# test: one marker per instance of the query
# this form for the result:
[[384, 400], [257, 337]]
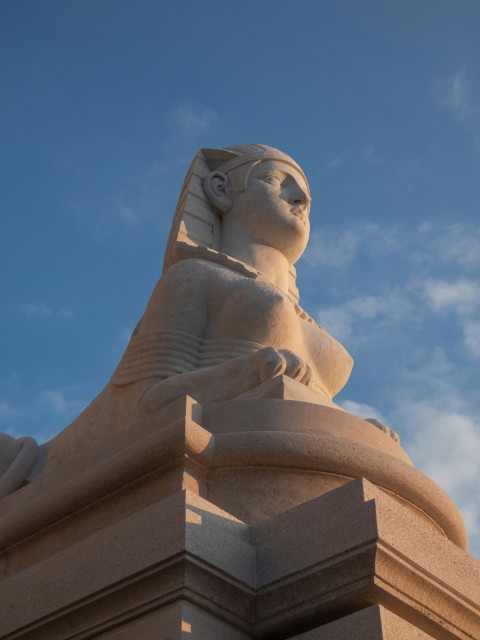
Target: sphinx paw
[[263, 365], [383, 427], [296, 368]]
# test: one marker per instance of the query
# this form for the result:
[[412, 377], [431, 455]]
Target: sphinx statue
[[224, 316], [224, 330], [214, 483]]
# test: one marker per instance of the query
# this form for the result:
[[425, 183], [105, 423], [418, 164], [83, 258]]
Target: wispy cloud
[[462, 295], [439, 422], [42, 310], [24, 410], [460, 244], [415, 337], [188, 124], [39, 309], [136, 201], [471, 337], [337, 251], [338, 248], [455, 93], [367, 154], [56, 401], [127, 215], [192, 121], [440, 430], [446, 447], [362, 410], [459, 94], [335, 161], [354, 317], [461, 298], [429, 244]]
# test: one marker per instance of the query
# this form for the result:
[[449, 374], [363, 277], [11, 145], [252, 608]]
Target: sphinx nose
[[299, 196]]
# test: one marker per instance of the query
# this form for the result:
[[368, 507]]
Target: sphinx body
[[227, 319], [224, 317], [224, 327], [253, 508]]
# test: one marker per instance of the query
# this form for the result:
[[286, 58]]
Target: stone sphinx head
[[253, 191]]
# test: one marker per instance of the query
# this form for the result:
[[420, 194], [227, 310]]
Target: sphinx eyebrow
[[277, 173]]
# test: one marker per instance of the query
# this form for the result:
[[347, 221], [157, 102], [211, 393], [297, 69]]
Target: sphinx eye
[[274, 180]]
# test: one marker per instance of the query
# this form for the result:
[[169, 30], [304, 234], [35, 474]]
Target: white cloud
[[363, 155], [418, 361], [135, 201], [445, 445], [439, 421], [455, 93], [331, 247], [345, 320], [424, 227], [461, 244], [127, 215], [447, 448], [40, 310], [339, 251], [39, 415], [471, 335], [460, 295], [335, 161], [56, 401], [463, 298], [456, 245], [362, 410], [337, 320], [459, 95], [192, 121]]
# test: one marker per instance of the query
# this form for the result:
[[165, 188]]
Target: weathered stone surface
[[372, 623], [214, 489], [305, 568], [177, 621], [251, 474]]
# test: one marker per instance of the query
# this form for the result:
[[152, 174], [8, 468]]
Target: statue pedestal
[[257, 518]]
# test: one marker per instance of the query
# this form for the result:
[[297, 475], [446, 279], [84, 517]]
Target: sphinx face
[[274, 208]]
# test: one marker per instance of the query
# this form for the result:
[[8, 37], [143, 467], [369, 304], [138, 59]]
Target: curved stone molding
[[251, 474], [316, 464], [297, 416]]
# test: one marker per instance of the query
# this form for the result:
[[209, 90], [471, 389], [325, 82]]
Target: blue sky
[[102, 106]]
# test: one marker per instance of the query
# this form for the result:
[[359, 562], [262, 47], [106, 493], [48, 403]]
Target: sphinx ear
[[216, 186]]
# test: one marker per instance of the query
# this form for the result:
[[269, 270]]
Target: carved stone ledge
[[308, 568], [372, 623], [264, 531]]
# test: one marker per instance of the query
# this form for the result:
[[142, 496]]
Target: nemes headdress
[[196, 227]]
